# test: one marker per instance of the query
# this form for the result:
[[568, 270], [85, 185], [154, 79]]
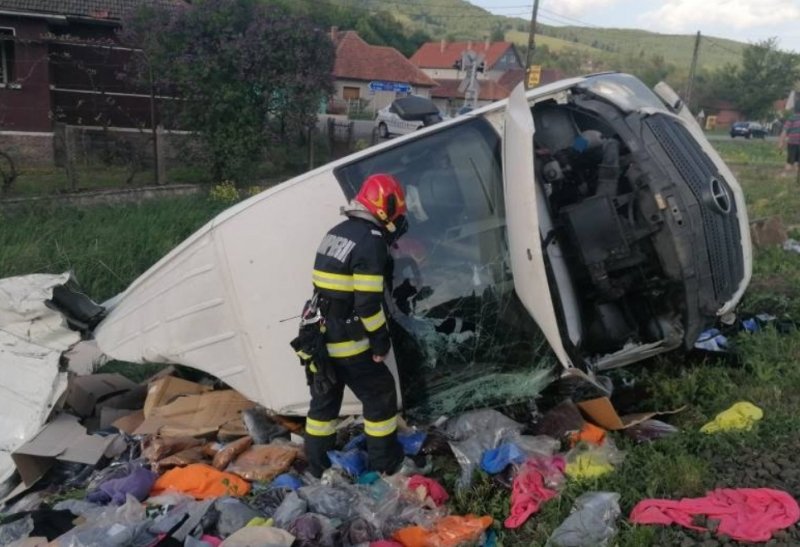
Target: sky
[[743, 20]]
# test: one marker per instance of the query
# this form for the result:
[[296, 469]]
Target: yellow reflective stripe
[[318, 428], [368, 283], [332, 281], [380, 429], [347, 349], [303, 355], [374, 322]]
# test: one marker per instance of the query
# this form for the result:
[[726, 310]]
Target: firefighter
[[348, 278]]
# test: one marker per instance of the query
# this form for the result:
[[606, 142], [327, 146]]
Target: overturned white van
[[591, 216]]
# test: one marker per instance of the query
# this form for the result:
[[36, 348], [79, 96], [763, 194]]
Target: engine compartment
[[607, 226]]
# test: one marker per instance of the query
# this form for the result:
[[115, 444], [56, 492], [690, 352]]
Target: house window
[[6, 56], [351, 93]]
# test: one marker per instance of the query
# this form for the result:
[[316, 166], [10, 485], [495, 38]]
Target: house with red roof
[[370, 77], [503, 70], [437, 59]]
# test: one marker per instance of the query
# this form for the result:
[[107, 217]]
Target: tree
[[246, 75], [498, 34], [766, 75]]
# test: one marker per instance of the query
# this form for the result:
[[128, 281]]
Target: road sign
[[534, 75], [397, 87]]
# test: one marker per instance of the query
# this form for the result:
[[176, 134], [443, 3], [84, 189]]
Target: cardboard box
[[195, 415], [165, 390], [129, 423], [602, 413], [85, 392], [62, 439]]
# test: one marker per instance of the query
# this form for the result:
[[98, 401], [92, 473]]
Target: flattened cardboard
[[165, 390], [195, 415], [602, 412], [128, 424], [62, 439], [84, 392]]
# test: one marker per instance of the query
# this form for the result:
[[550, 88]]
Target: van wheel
[[383, 131]]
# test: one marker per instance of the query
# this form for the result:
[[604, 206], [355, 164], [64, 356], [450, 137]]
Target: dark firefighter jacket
[[348, 273]]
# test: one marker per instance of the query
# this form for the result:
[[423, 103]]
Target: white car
[[406, 115], [590, 217]]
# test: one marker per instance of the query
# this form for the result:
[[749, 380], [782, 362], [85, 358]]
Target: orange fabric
[[201, 481], [447, 532], [589, 433]]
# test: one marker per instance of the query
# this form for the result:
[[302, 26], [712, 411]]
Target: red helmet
[[383, 197]]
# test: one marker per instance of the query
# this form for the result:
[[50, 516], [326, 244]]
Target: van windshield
[[461, 336]]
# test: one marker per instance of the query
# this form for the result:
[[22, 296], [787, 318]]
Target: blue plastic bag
[[357, 442], [712, 340], [495, 460], [352, 462], [412, 442], [290, 482]]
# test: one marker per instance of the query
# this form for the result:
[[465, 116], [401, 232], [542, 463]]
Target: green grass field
[[108, 247]]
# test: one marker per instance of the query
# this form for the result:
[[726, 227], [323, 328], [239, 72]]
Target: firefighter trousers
[[374, 386]]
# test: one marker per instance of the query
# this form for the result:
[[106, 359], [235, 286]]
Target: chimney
[[334, 32], [442, 45]]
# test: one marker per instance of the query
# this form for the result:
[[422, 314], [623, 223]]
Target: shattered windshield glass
[[461, 336]]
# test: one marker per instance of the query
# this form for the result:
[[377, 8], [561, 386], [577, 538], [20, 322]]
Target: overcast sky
[[744, 20]]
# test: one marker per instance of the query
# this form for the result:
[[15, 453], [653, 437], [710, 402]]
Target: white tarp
[[32, 339]]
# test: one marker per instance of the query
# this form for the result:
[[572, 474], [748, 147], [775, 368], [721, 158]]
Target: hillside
[[460, 20]]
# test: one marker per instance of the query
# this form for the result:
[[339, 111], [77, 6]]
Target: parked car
[[406, 115], [747, 130], [587, 221]]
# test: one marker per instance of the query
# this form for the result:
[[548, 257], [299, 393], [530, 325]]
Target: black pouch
[[354, 328], [309, 345]]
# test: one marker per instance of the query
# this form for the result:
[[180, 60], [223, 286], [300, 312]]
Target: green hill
[[460, 20]]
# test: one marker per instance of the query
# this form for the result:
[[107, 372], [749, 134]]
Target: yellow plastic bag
[[740, 416]]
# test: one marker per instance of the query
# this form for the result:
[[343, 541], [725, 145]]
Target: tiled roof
[[97, 9], [511, 78], [444, 54], [489, 90], [358, 60]]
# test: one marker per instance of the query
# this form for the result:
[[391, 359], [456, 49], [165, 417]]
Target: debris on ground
[[592, 522], [740, 416], [185, 460], [743, 514]]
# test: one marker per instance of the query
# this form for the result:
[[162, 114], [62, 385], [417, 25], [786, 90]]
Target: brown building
[[61, 62]]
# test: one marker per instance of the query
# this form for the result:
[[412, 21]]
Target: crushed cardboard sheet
[[165, 390], [63, 439], [602, 413], [195, 415], [85, 392]]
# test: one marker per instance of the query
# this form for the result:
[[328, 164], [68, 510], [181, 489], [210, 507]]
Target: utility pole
[[533, 76], [692, 72]]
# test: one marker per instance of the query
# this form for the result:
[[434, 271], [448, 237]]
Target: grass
[[109, 246]]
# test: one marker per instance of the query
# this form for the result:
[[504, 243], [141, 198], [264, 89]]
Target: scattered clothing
[[587, 466], [289, 482], [589, 433], [354, 462], [233, 515], [431, 489], [259, 535], [712, 340], [744, 514], [740, 416], [202, 482], [115, 491], [447, 532], [529, 492], [495, 460]]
